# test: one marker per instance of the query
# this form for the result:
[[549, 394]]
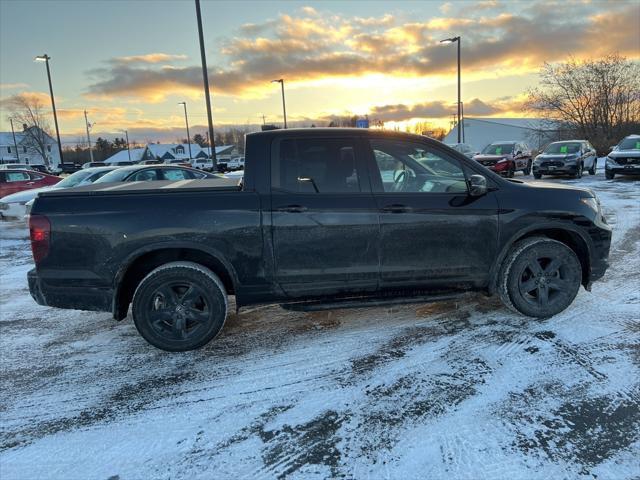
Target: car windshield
[[630, 143], [114, 176], [74, 179], [498, 148], [562, 148]]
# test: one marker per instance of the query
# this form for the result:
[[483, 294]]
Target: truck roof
[[335, 131]]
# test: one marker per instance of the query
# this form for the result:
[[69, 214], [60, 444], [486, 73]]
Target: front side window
[[143, 176], [321, 165], [411, 167]]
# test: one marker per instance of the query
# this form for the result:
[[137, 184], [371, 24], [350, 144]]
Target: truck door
[[324, 218], [432, 231]]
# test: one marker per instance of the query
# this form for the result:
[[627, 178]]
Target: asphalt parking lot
[[458, 389]]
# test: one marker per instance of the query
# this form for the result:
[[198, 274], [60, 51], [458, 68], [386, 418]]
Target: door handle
[[292, 209], [397, 208]]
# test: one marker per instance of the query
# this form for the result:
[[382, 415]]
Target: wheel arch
[[141, 263], [567, 234]]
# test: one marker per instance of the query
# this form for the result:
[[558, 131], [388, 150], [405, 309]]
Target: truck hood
[[624, 154], [584, 192], [161, 186], [556, 156], [483, 157]]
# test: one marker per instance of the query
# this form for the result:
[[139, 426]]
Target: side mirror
[[519, 152], [477, 185], [612, 147], [309, 180]]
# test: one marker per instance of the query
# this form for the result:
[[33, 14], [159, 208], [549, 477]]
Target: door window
[[36, 176], [17, 176], [412, 167], [176, 174], [319, 165], [143, 176]]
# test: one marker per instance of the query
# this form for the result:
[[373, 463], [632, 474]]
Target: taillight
[[40, 232]]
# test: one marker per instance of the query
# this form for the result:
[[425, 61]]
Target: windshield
[[631, 143], [498, 148], [114, 176], [563, 148], [74, 179]]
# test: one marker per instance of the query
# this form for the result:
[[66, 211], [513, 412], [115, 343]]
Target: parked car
[[145, 173], [464, 149], [569, 157], [12, 181], [93, 164], [67, 168], [152, 161], [236, 163], [205, 164], [16, 166], [178, 161], [506, 158], [624, 159], [122, 163], [16, 204], [41, 169], [325, 218]]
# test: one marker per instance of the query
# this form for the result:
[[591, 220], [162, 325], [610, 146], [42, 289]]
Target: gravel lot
[[461, 389]]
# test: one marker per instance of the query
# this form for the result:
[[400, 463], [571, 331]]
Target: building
[[27, 151], [171, 151], [480, 132]]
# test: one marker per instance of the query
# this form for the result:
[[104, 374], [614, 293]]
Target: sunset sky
[[128, 63]]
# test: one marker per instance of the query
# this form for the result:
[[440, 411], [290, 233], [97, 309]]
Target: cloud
[[315, 46], [149, 58], [13, 86]]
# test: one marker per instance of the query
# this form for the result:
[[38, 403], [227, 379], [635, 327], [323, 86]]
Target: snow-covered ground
[[460, 389]]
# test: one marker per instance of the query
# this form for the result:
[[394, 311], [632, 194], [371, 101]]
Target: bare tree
[[28, 111], [598, 100]]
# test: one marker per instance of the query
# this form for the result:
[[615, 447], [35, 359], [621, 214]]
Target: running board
[[365, 302]]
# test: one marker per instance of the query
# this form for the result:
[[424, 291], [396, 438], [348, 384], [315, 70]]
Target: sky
[[129, 63]]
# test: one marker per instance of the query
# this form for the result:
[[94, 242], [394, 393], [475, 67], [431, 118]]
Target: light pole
[[284, 108], [205, 77], [186, 121], [45, 58], [457, 40]]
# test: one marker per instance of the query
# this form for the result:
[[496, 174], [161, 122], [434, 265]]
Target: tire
[[578, 173], [180, 306], [609, 175], [592, 170], [537, 176], [540, 277], [511, 172], [527, 170]]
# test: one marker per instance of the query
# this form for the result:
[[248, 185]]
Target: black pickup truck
[[323, 218]]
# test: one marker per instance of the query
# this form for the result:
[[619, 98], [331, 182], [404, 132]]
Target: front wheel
[[609, 174], [537, 176], [179, 306], [578, 173], [527, 170], [592, 170], [540, 277]]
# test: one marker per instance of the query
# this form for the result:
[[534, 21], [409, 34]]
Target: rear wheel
[[592, 170], [179, 306], [540, 277]]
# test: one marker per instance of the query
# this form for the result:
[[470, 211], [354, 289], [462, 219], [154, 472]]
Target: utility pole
[[209, 144], [15, 144], [458, 41], [45, 58], [126, 133], [264, 119], [88, 125], [186, 121], [205, 78]]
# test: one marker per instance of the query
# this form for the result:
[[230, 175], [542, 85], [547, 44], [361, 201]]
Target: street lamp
[[457, 40], [186, 121], [284, 108], [45, 58]]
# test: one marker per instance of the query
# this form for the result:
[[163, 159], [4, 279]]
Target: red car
[[12, 181]]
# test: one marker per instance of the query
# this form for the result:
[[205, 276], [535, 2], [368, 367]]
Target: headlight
[[592, 202], [611, 162]]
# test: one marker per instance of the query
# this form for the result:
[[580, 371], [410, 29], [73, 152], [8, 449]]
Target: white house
[[480, 132], [26, 152]]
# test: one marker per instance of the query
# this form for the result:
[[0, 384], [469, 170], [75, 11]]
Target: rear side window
[[16, 176], [176, 174], [36, 176], [144, 176], [302, 165]]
